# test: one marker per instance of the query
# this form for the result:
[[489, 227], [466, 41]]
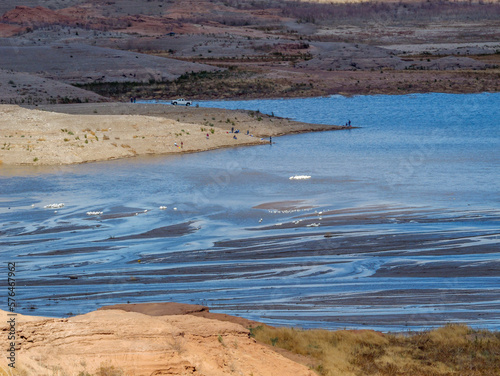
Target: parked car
[[181, 102]]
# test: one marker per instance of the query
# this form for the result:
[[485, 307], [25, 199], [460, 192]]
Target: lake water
[[397, 228]]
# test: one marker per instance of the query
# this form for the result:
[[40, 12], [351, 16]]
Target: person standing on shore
[[270, 140], [182, 145]]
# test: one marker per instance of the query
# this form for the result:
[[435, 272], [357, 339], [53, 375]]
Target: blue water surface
[[424, 148]]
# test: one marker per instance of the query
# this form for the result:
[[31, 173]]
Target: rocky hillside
[[276, 48], [116, 342]]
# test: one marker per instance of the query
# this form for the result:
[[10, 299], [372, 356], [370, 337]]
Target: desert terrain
[[83, 51], [68, 69]]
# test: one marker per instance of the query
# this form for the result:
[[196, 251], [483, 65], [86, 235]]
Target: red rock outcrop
[[37, 16]]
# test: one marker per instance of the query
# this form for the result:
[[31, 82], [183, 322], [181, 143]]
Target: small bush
[[221, 340], [109, 371]]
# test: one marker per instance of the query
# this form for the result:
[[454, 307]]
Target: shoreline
[[84, 133]]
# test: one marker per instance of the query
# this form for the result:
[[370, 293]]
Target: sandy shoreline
[[68, 134]]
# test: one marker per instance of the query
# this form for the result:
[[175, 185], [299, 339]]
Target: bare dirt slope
[[81, 63], [278, 48], [25, 88], [141, 345], [7, 5]]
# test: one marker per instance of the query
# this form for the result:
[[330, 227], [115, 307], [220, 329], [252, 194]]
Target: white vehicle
[[181, 102]]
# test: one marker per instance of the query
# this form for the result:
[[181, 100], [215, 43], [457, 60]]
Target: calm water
[[409, 203]]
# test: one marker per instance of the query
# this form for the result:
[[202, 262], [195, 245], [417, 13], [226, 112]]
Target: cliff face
[[133, 343]]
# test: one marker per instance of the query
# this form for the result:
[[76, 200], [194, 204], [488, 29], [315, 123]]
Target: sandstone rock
[[141, 345]]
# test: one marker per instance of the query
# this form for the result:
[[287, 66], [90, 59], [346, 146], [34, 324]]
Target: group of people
[[248, 134], [236, 131], [181, 146]]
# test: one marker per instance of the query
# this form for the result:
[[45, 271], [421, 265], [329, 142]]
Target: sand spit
[[140, 344], [99, 132]]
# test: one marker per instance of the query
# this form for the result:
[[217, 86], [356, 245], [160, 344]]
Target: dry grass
[[453, 350], [329, 12]]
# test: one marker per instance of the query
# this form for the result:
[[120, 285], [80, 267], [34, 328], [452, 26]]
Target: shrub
[[108, 370]]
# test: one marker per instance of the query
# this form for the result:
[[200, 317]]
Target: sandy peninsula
[[68, 134], [169, 340]]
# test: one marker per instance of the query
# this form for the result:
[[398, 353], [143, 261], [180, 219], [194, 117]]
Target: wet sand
[[179, 229], [429, 267]]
